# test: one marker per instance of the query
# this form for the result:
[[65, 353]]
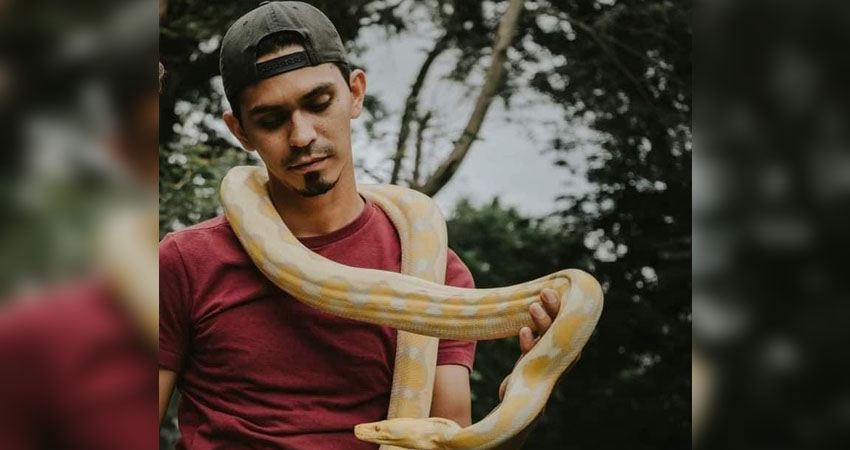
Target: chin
[[315, 183]]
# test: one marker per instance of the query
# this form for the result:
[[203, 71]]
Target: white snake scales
[[417, 302]]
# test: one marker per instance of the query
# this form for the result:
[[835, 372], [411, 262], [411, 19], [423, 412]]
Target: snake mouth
[[371, 432]]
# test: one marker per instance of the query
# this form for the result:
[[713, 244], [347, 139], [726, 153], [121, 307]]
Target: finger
[[551, 302], [540, 318], [526, 339]]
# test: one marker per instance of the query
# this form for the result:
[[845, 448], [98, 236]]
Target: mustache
[[312, 152]]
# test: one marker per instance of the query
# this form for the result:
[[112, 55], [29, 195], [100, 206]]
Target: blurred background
[[78, 224], [583, 159], [770, 208]]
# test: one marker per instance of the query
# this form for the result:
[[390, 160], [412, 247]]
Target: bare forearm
[[452, 397], [166, 386]]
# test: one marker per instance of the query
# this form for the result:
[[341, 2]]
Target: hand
[[542, 316]]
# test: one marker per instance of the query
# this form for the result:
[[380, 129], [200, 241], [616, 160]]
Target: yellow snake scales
[[419, 305]]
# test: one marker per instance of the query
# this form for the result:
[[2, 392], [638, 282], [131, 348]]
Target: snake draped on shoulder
[[422, 308]]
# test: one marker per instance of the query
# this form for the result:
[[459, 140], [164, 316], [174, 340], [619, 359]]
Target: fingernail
[[549, 296], [537, 310]]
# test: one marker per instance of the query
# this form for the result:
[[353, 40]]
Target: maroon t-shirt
[[259, 369], [75, 373]]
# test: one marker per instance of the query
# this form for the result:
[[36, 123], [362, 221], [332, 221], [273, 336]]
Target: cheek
[[269, 144], [336, 128]]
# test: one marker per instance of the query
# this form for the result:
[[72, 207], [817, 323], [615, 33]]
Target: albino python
[[418, 303]]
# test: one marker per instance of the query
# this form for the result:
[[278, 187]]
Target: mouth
[[308, 165]]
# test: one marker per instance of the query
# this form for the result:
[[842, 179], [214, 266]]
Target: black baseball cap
[[238, 65]]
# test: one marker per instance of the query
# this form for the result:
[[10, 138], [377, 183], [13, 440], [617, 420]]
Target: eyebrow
[[315, 92]]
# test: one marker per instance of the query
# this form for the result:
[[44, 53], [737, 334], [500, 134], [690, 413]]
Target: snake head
[[425, 434]]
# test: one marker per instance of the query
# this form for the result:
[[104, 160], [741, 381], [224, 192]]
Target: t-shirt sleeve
[[174, 306], [451, 351]]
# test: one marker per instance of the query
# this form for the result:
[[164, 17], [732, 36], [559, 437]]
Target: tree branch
[[411, 104], [377, 178], [507, 29], [420, 132], [591, 31], [599, 38]]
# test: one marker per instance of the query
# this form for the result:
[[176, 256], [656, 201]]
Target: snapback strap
[[282, 64]]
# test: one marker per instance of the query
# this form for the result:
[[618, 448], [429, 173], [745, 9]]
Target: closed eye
[[272, 121], [320, 104]]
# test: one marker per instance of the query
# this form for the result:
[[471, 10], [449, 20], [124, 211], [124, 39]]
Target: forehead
[[288, 87]]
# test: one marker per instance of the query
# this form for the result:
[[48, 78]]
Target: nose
[[302, 132]]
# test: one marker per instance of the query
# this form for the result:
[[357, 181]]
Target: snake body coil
[[419, 303]]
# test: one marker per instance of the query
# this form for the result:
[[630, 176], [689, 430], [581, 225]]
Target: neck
[[321, 214]]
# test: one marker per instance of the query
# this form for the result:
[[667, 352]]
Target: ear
[[237, 131], [357, 82]]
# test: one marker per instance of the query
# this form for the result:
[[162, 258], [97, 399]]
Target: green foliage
[[188, 183], [502, 248], [625, 69], [632, 376]]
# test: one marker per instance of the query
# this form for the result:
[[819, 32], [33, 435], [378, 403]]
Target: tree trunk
[[507, 29], [411, 104]]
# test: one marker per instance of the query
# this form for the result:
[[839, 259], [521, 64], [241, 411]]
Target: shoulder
[[195, 255], [209, 228], [457, 273], [208, 238]]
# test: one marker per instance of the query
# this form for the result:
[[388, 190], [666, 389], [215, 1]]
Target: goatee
[[314, 184]]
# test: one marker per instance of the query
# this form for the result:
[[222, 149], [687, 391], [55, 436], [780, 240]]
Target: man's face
[[300, 124]]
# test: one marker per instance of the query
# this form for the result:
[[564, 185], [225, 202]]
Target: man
[[256, 368]]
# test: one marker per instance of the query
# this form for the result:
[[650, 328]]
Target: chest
[[249, 330]]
